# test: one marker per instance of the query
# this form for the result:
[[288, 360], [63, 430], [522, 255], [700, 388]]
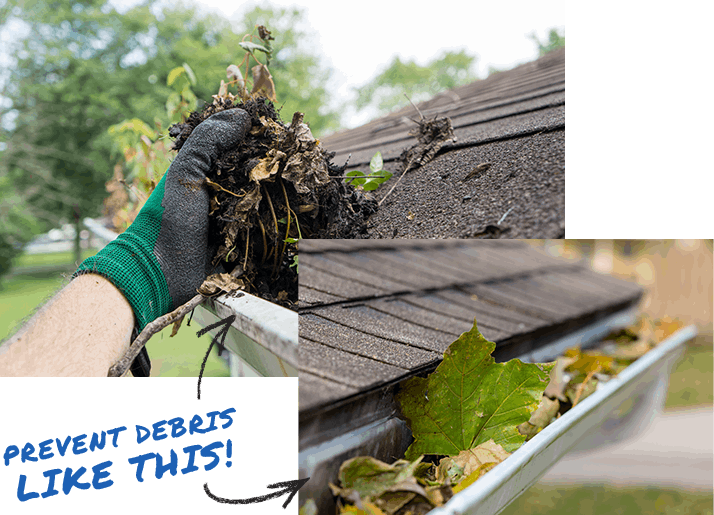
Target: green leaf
[[361, 178], [376, 164], [250, 47], [370, 477], [376, 179], [470, 399], [175, 74]]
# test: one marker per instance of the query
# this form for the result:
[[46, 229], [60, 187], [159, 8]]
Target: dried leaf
[[367, 509], [590, 361], [306, 168], [431, 136], [559, 379], [470, 399], [234, 75], [471, 478], [218, 283], [666, 326], [264, 33], [466, 462], [268, 166], [307, 171], [263, 82], [540, 418], [223, 89], [631, 351], [367, 480]]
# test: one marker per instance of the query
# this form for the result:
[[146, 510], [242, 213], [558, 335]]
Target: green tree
[[386, 91], [69, 81], [554, 41], [79, 67]]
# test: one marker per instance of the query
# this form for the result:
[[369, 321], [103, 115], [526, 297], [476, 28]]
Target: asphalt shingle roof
[[514, 120], [375, 312]]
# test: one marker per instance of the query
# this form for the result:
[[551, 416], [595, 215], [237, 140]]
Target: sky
[[359, 39]]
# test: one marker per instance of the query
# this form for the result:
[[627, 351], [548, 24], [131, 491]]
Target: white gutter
[[645, 381], [264, 336]]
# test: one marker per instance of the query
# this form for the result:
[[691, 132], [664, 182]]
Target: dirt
[[276, 186]]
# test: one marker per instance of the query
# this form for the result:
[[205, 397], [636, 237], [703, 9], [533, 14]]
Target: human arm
[[154, 266], [81, 331]]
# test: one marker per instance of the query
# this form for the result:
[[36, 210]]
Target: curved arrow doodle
[[289, 486], [226, 323]]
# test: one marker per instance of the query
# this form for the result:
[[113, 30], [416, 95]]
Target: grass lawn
[[36, 277], [608, 500], [690, 383]]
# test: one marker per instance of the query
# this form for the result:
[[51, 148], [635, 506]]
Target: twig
[[406, 169], [358, 176], [247, 239], [287, 204], [415, 107], [221, 188], [505, 215], [581, 386], [121, 367], [275, 220], [265, 243]]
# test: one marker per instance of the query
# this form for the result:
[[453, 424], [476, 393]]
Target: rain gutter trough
[[621, 408], [263, 336]]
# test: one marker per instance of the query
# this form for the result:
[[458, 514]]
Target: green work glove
[[163, 257]]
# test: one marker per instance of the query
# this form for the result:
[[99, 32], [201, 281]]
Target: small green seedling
[[370, 182]]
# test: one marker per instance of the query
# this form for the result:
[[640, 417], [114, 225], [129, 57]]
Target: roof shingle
[[513, 120]]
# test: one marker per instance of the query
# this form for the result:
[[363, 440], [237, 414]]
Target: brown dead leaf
[[264, 33], [234, 75], [466, 462], [666, 326], [631, 351], [306, 168], [220, 283], [559, 379], [263, 82], [547, 409], [268, 166], [223, 89], [590, 361]]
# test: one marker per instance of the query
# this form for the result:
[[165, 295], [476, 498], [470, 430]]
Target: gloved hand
[[162, 258]]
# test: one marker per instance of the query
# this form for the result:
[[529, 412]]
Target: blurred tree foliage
[[386, 91], [555, 40], [80, 66]]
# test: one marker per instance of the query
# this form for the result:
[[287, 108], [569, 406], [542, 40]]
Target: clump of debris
[[274, 187]]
